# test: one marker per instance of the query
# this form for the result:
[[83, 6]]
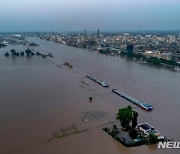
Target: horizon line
[[80, 31]]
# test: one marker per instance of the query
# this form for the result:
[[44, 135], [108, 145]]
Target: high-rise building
[[98, 33], [85, 32], [129, 48], [85, 35]]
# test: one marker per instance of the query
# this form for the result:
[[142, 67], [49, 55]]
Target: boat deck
[[133, 100], [102, 83]]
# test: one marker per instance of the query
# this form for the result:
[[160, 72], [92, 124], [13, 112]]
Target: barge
[[141, 104], [102, 83]]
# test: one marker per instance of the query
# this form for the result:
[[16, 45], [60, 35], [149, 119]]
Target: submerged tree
[[125, 116], [13, 52], [28, 52], [22, 53], [7, 54], [90, 99], [134, 119]]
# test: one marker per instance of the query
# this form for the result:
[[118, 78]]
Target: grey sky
[[69, 15]]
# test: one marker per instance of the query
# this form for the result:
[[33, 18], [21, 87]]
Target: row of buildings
[[160, 45]]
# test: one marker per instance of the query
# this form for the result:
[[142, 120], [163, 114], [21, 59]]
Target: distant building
[[85, 32], [129, 48], [176, 57], [105, 46], [98, 35]]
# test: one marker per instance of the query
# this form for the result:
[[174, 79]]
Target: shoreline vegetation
[[151, 60], [132, 134], [142, 59], [28, 52]]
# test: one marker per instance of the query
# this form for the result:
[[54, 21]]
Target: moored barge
[[102, 83], [143, 105]]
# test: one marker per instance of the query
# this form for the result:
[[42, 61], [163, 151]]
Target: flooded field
[[45, 105]]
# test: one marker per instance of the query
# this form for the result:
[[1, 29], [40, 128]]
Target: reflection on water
[[40, 96]]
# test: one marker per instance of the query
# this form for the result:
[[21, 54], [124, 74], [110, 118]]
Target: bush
[[22, 53], [115, 130], [152, 138], [106, 129], [7, 54], [105, 51]]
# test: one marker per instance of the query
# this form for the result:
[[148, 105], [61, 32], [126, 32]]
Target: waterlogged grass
[[65, 132], [58, 136]]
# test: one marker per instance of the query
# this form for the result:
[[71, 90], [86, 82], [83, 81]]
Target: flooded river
[[45, 108]]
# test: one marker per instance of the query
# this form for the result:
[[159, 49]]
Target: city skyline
[[115, 15]]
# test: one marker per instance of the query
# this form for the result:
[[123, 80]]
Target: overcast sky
[[77, 15]]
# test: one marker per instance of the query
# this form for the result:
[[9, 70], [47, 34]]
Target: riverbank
[[140, 58]]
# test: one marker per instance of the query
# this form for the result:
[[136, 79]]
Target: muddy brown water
[[40, 98]]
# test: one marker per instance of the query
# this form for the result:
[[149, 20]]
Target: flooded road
[[41, 98]]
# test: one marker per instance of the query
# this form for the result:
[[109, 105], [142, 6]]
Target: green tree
[[13, 52], [152, 138], [125, 116], [28, 52], [134, 119], [154, 60]]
